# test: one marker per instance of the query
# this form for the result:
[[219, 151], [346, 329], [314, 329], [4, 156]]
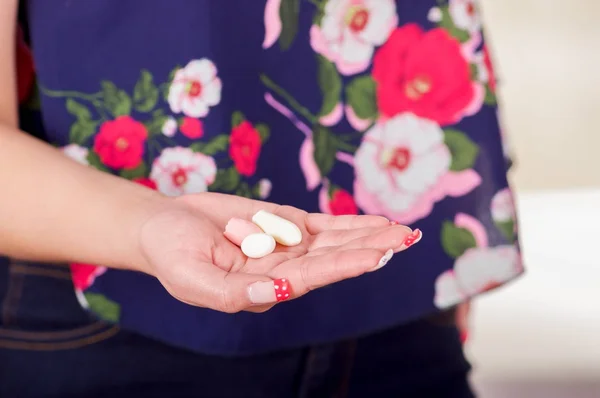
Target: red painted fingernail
[[411, 239], [270, 292], [282, 289], [393, 223], [464, 336]]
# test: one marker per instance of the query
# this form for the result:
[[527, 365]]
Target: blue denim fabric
[[50, 347]]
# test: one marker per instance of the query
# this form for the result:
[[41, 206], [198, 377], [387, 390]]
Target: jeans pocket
[[40, 311]]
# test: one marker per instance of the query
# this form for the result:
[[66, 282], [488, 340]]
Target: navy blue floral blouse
[[339, 106]]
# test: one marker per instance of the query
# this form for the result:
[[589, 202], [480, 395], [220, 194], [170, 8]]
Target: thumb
[[207, 285]]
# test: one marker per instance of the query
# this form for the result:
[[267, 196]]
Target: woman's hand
[[184, 247]]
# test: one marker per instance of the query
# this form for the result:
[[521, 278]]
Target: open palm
[[187, 251]]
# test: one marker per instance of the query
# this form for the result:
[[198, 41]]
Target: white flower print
[[503, 206], [195, 88], [465, 15], [178, 171], [434, 15], [264, 188], [398, 162], [169, 128], [350, 30], [77, 153], [478, 270]]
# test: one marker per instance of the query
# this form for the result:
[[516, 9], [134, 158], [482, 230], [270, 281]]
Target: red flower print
[[120, 143], [423, 73], [147, 182], [244, 148], [342, 203], [192, 128], [83, 275], [25, 68], [490, 68]]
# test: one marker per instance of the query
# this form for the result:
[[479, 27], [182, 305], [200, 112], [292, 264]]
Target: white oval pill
[[284, 231], [258, 245]]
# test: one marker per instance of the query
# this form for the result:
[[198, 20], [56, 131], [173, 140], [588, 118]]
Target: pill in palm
[[284, 231], [237, 229], [258, 245]]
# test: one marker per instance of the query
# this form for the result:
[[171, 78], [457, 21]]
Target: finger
[[206, 285], [308, 273], [226, 255], [397, 238], [223, 207], [317, 222], [340, 237]]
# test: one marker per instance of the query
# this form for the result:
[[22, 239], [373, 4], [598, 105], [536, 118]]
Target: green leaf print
[[94, 161], [81, 112], [463, 150], [226, 180], [330, 84], [360, 94], [104, 307], [447, 23], [263, 131], [33, 101], [138, 172], [455, 240], [237, 118], [217, 144], [165, 87], [116, 101], [289, 12], [244, 190], [145, 93], [508, 229], [490, 97], [81, 130], [325, 149], [155, 125], [173, 72], [474, 72]]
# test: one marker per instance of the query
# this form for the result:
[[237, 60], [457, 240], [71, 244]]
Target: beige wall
[[547, 54]]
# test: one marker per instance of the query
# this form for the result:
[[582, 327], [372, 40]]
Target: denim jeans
[[50, 347]]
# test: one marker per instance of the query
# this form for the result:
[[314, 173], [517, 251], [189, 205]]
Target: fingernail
[[384, 260], [464, 336], [269, 292], [393, 223], [411, 239]]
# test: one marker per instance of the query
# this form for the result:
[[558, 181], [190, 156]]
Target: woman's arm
[[52, 208]]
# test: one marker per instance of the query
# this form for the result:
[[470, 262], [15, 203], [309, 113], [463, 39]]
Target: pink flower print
[[272, 23], [83, 275], [309, 167], [333, 117], [474, 226], [356, 122]]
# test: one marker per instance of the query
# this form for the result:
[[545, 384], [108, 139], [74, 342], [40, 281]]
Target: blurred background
[[540, 336]]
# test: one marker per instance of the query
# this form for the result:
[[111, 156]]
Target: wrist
[[141, 211]]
